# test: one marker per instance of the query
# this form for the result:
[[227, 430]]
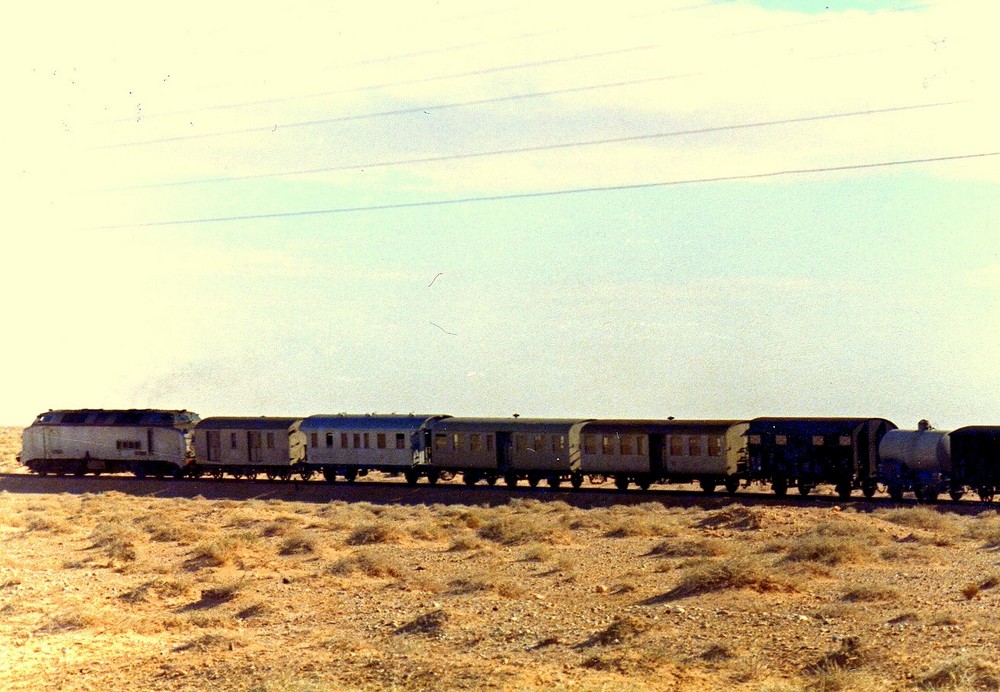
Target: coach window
[[366, 440], [329, 439], [519, 442], [628, 448], [232, 440], [344, 443], [400, 441], [357, 440], [590, 444], [475, 442], [489, 442], [456, 442], [607, 444], [558, 443], [539, 444], [380, 440], [270, 440], [676, 445], [440, 441], [314, 439], [694, 445], [714, 446]]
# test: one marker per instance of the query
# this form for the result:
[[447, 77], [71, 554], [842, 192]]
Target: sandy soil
[[111, 589]]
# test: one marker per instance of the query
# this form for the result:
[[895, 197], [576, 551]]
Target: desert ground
[[131, 588]]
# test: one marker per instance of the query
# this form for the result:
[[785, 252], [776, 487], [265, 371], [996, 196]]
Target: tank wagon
[[710, 452], [246, 447], [351, 446], [514, 449], [140, 441], [918, 461], [806, 452]]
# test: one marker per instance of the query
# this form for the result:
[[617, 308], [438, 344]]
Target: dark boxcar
[[975, 457], [806, 452], [510, 448]]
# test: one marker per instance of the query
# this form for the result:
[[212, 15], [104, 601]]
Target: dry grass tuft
[[690, 547], [369, 564], [738, 517], [117, 540], [518, 529], [869, 593], [429, 624], [964, 673], [925, 518], [622, 629], [378, 532], [738, 573], [299, 542]]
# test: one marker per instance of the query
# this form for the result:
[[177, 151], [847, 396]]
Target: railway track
[[396, 491]]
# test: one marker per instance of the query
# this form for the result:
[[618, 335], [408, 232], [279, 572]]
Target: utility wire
[[554, 193], [542, 147]]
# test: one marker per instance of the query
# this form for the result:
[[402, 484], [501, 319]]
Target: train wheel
[[780, 487], [330, 474], [491, 479], [533, 480], [80, 470], [271, 475], [844, 490], [178, 473], [411, 476], [985, 493], [351, 474], [139, 471], [285, 476], [433, 476], [868, 488], [732, 484], [928, 495], [707, 486], [43, 470], [217, 473], [956, 495], [896, 491], [305, 473], [621, 482], [576, 480], [251, 474], [470, 478], [510, 479], [554, 482]]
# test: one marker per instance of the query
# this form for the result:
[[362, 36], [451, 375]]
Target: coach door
[[655, 454], [503, 451], [253, 446]]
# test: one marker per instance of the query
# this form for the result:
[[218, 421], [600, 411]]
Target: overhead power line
[[552, 193], [543, 147]]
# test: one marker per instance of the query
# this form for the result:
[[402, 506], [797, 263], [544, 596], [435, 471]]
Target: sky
[[636, 209]]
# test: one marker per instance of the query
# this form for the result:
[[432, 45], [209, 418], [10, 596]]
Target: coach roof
[[343, 421], [245, 423]]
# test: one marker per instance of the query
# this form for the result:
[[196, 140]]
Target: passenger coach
[[711, 452], [514, 449], [351, 446]]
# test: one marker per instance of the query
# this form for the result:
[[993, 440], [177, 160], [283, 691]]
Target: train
[[869, 455]]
